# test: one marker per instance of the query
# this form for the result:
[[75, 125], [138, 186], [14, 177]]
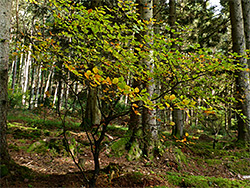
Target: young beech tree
[[5, 13], [101, 54]]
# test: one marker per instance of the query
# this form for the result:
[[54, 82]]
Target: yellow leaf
[[86, 75], [193, 103], [98, 77], [47, 93], [135, 105], [115, 80], [166, 97], [195, 138], [88, 72], [186, 134], [172, 97], [93, 85], [95, 70], [159, 120], [90, 10], [137, 90], [168, 105], [172, 123], [137, 112], [185, 101], [127, 88], [209, 112], [108, 81]]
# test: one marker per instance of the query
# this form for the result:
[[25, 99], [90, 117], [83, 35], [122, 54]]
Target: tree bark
[[14, 67], [246, 17], [39, 70], [5, 13], [177, 113], [149, 126], [95, 3], [93, 113], [25, 78], [32, 89], [242, 79]]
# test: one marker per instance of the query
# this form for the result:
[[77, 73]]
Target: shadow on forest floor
[[40, 149]]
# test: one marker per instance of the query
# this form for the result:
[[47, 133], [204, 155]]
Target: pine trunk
[[242, 79]]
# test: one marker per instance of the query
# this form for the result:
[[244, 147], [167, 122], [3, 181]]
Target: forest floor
[[35, 142]]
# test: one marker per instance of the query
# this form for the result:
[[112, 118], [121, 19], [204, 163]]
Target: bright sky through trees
[[215, 3]]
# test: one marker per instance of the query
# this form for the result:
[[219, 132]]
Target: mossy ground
[[193, 163]]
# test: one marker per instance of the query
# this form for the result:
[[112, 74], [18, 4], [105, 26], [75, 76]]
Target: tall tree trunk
[[177, 113], [5, 13], [47, 85], [242, 79], [25, 80], [93, 113], [149, 126], [59, 86], [41, 88], [37, 85], [55, 93], [14, 67], [95, 3], [246, 17], [32, 89], [134, 119]]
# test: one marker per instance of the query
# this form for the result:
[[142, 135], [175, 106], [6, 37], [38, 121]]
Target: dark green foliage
[[4, 171], [15, 99]]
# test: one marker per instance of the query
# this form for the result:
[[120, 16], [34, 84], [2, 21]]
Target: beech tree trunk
[[37, 85], [14, 67], [5, 13], [93, 113], [149, 126], [25, 77], [32, 90], [242, 79]]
